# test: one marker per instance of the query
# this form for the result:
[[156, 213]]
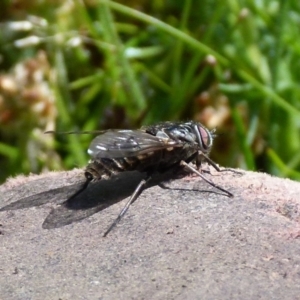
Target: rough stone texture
[[172, 244]]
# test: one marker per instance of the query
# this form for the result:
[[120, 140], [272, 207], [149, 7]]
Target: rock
[[187, 241]]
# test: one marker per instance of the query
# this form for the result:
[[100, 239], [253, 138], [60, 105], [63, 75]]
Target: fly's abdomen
[[104, 168]]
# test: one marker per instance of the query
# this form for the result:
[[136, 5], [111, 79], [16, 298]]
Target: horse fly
[[151, 149]]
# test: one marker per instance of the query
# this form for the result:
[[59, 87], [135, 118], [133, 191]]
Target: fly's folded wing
[[128, 143]]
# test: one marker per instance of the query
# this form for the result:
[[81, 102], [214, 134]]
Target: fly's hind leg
[[85, 185], [133, 197]]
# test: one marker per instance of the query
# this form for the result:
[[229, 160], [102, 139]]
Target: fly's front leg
[[184, 164], [202, 157], [133, 197]]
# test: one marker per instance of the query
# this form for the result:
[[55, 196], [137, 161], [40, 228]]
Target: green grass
[[104, 64]]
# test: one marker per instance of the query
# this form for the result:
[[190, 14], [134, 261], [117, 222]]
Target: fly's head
[[204, 137]]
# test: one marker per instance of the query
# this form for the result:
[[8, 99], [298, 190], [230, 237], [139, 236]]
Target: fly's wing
[[128, 143]]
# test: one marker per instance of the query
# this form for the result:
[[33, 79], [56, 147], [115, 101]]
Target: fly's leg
[[214, 165], [184, 164], [85, 185], [163, 186], [133, 197]]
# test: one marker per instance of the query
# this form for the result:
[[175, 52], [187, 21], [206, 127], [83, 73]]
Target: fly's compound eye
[[204, 137]]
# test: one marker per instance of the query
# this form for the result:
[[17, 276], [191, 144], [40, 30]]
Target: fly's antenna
[[75, 132]]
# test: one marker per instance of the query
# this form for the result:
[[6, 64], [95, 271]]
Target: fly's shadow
[[60, 190], [95, 198], [99, 195], [75, 206], [53, 187]]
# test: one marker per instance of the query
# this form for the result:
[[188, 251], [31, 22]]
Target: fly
[[152, 149]]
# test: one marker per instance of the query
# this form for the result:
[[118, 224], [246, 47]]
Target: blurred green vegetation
[[97, 64]]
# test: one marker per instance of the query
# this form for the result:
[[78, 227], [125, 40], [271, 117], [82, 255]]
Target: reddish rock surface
[[172, 244]]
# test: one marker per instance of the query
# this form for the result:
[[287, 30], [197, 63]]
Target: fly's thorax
[[192, 133]]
